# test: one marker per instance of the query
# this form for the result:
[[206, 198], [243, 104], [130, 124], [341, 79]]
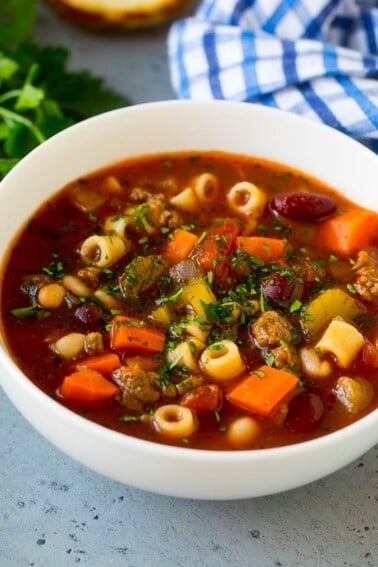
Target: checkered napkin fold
[[317, 58]]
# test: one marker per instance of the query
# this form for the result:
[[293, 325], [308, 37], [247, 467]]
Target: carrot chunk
[[347, 233], [104, 363], [86, 387], [262, 391], [265, 248], [180, 246], [129, 334]]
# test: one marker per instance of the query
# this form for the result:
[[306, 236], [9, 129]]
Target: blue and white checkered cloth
[[317, 58]]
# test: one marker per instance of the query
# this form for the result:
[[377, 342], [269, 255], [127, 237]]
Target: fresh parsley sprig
[[38, 96]]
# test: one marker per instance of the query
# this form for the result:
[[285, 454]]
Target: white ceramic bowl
[[163, 127]]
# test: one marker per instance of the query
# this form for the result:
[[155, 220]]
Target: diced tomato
[[203, 398], [368, 356], [213, 252]]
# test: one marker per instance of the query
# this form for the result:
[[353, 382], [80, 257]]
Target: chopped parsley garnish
[[129, 418], [259, 373], [365, 321], [131, 273], [350, 287], [23, 312], [201, 237], [295, 306], [31, 313], [108, 273], [188, 227], [54, 269], [221, 313], [194, 159], [175, 362], [167, 164], [38, 96], [209, 167], [171, 298], [141, 216]]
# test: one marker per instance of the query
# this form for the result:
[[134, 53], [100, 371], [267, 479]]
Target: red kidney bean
[[305, 413], [281, 288], [302, 206], [88, 315]]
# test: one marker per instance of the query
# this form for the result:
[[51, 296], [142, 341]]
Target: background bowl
[[194, 126]]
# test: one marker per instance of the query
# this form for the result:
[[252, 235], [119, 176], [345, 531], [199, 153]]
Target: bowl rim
[[146, 106]]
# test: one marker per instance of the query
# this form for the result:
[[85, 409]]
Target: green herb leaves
[[16, 22], [221, 313], [38, 97]]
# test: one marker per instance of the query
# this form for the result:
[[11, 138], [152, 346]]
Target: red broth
[[204, 300]]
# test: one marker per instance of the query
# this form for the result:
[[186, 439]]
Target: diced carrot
[[86, 387], [180, 246], [347, 233], [265, 248], [104, 363], [129, 334], [263, 390], [204, 398]]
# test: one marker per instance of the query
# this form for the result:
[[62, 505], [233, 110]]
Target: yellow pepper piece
[[195, 294], [162, 315], [331, 303]]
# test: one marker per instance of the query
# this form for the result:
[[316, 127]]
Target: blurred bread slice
[[120, 14]]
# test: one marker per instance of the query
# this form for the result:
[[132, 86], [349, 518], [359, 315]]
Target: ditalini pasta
[[175, 421], [246, 199], [206, 188], [199, 299], [103, 250], [222, 361]]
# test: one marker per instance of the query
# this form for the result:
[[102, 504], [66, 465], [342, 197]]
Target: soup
[[209, 301]]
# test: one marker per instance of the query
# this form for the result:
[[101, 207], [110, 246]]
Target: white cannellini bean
[[106, 299], [76, 286], [242, 431], [70, 345]]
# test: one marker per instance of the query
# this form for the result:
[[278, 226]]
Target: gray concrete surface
[[56, 513]]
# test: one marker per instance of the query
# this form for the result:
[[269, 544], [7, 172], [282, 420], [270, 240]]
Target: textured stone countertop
[[56, 513]]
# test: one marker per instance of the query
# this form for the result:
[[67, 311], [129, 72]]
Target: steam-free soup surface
[[208, 300]]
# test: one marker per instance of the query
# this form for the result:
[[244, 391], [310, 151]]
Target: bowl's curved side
[[186, 472], [165, 127]]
